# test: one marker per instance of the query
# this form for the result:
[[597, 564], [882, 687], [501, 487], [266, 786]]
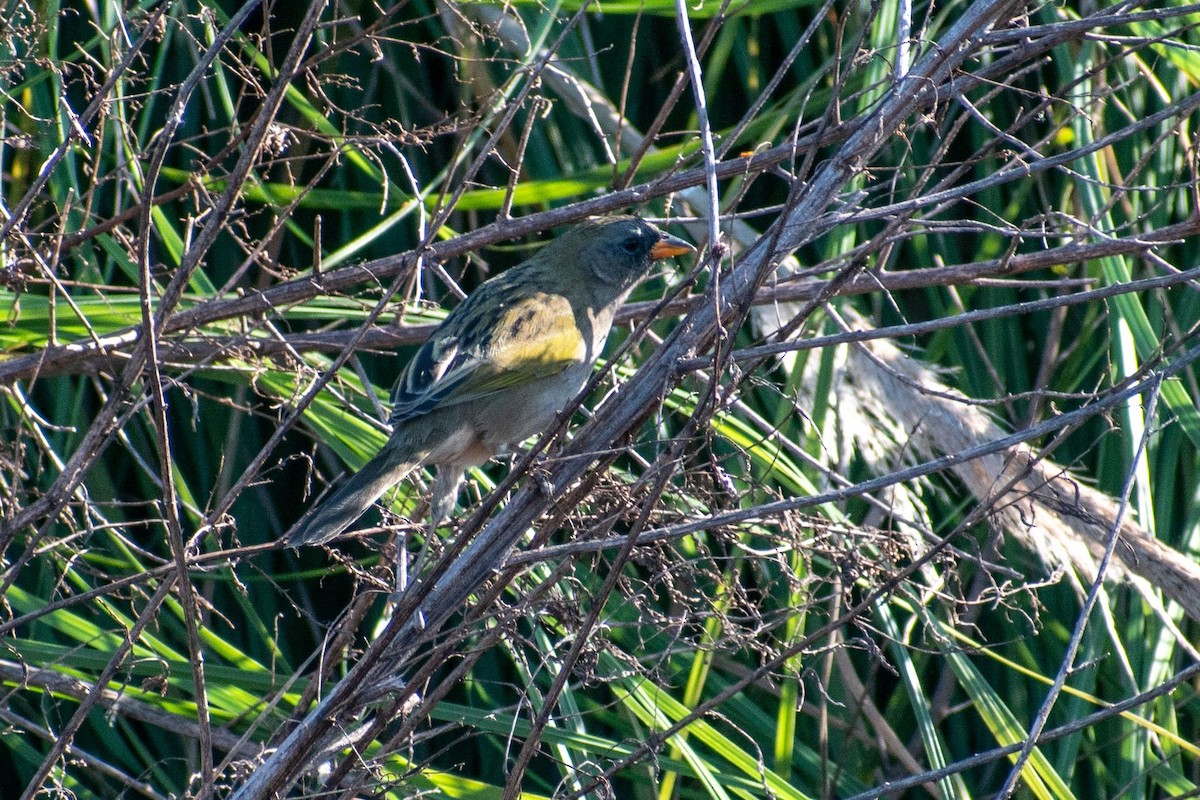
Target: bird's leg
[[402, 561], [445, 493]]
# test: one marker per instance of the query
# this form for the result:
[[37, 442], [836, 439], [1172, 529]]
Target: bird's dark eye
[[632, 244]]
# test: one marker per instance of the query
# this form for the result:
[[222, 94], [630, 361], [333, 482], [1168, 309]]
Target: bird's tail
[[340, 510]]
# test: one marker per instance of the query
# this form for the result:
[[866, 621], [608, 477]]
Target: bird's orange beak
[[669, 246]]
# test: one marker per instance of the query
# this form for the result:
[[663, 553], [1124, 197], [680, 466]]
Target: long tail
[[339, 511]]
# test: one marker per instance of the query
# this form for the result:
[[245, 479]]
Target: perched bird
[[501, 366]]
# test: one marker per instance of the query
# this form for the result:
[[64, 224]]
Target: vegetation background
[[838, 517]]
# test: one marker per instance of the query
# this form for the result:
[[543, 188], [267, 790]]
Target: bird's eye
[[632, 244]]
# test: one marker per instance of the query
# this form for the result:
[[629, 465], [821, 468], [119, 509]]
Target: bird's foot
[[540, 475]]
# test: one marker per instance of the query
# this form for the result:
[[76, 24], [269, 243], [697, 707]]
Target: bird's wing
[[472, 356]]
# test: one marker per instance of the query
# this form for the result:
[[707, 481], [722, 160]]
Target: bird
[[501, 366]]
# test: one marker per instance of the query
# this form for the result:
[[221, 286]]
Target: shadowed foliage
[[890, 491]]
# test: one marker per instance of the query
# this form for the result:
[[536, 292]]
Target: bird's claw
[[541, 477]]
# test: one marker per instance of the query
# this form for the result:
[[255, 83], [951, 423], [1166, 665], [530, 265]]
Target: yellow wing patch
[[535, 337], [490, 343]]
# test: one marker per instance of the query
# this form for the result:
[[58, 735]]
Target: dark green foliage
[[394, 133]]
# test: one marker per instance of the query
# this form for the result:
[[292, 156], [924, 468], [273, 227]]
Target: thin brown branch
[[178, 352]]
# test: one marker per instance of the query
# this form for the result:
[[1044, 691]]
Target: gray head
[[615, 251]]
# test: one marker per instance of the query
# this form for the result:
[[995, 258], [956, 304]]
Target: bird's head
[[617, 252]]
